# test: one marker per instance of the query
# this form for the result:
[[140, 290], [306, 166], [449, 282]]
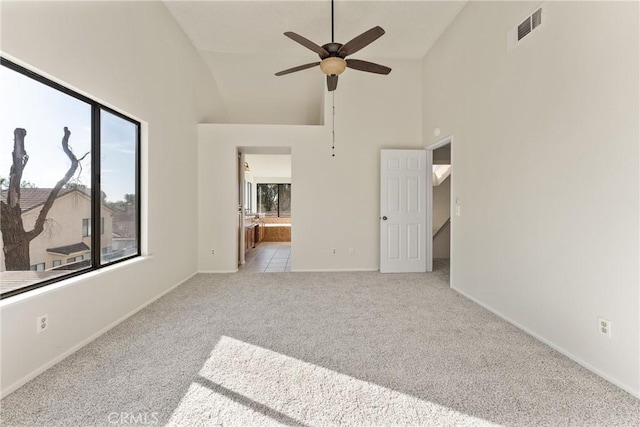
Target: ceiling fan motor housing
[[333, 49]]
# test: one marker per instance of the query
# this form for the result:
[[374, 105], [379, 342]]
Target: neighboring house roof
[[31, 198], [70, 249], [124, 229]]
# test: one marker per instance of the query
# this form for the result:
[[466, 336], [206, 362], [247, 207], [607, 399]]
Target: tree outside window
[[274, 200]]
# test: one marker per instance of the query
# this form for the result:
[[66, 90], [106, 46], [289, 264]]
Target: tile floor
[[268, 257]]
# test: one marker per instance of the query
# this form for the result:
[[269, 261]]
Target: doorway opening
[[440, 205], [265, 209]]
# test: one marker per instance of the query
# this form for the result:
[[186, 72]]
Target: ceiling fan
[[332, 55]]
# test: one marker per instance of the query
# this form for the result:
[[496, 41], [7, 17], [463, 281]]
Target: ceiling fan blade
[[369, 67], [360, 41], [308, 44], [298, 68], [332, 82]]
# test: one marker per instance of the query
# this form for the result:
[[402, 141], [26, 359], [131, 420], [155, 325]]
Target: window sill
[[35, 293]]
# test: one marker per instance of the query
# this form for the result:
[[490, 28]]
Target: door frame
[[429, 247], [242, 151], [240, 206]]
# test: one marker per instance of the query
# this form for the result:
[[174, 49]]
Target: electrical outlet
[[333, 251], [42, 323], [350, 251], [213, 252], [604, 326]]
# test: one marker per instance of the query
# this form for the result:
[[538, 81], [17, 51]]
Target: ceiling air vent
[[530, 23], [536, 19], [524, 28]]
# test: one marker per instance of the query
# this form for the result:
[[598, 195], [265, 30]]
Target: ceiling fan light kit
[[333, 66], [332, 55]]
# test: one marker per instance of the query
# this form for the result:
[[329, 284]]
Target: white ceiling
[[269, 165], [243, 44]]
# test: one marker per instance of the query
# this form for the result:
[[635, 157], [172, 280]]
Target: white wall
[[441, 213], [441, 204], [442, 243], [547, 171], [335, 200], [134, 57], [260, 97]]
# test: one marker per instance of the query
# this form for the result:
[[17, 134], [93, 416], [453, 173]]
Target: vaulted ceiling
[[243, 44]]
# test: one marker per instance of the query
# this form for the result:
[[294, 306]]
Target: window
[[119, 137], [63, 132], [86, 226], [37, 267], [274, 200]]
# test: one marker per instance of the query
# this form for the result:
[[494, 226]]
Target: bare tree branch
[[42, 216], [20, 159]]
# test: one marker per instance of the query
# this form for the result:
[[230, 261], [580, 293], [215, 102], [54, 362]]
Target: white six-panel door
[[403, 234]]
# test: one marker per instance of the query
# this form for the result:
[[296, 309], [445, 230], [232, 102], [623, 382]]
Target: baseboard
[[328, 270], [217, 271], [332, 270], [13, 387], [625, 387], [321, 270]]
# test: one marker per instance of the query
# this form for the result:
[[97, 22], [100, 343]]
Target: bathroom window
[[274, 200]]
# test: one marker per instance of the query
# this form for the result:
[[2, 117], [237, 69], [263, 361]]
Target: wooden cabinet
[[253, 234], [259, 233], [249, 237], [256, 235]]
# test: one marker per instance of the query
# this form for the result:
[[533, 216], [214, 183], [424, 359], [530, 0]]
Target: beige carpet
[[317, 349]]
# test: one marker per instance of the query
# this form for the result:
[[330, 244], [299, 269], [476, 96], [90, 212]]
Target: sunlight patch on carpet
[[244, 384]]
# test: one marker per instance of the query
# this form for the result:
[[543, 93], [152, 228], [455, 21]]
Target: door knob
[[384, 218]]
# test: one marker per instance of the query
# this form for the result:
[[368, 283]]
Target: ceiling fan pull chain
[[333, 124]]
